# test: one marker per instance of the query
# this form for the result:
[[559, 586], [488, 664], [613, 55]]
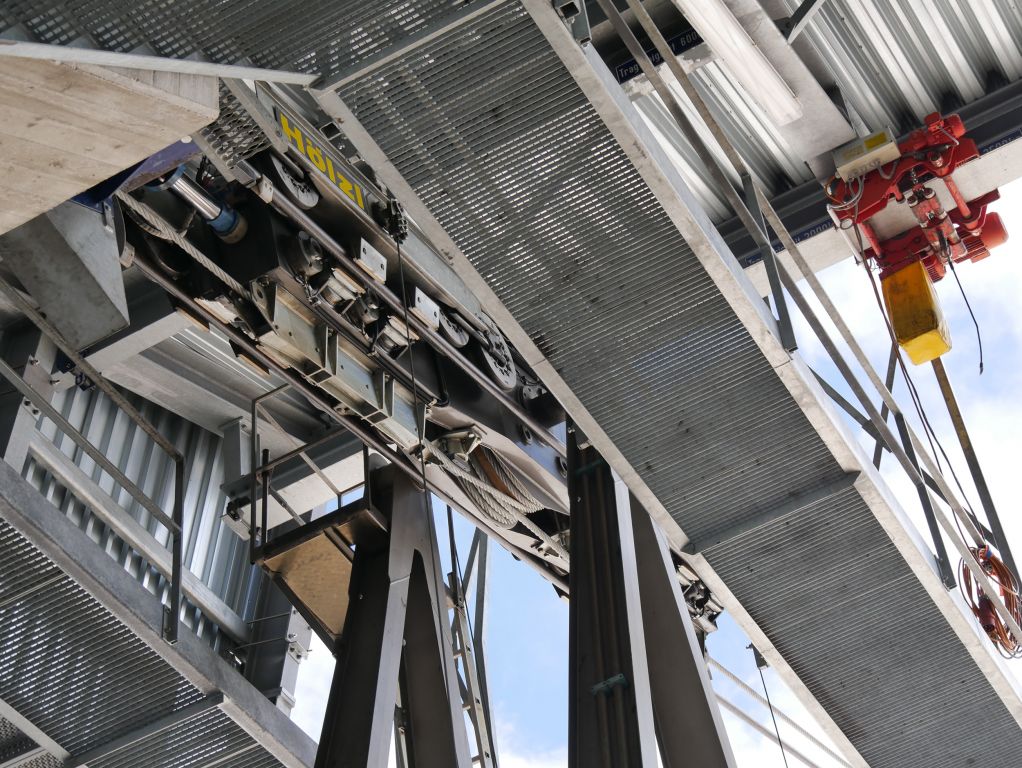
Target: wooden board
[[67, 127]]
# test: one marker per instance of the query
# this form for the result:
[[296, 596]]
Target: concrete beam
[[68, 260], [68, 127]]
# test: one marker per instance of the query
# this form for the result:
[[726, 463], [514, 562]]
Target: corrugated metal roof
[[212, 551], [894, 62]]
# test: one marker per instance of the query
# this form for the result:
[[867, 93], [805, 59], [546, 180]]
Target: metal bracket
[[608, 685], [576, 19]]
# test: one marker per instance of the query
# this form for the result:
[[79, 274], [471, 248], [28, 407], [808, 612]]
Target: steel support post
[[636, 671], [465, 649], [766, 250], [31, 353], [396, 627], [969, 451]]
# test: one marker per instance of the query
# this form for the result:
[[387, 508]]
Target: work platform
[[86, 677], [518, 154]]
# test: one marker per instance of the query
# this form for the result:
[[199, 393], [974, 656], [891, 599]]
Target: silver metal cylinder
[[196, 197]]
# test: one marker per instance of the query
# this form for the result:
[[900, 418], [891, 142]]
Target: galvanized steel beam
[[71, 55], [396, 633], [638, 682]]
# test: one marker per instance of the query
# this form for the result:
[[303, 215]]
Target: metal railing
[[756, 214], [175, 522]]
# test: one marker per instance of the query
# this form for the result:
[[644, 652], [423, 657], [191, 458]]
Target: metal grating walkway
[[507, 152], [87, 678]]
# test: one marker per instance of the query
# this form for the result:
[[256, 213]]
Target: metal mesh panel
[[210, 737], [858, 628], [83, 678], [12, 741], [43, 761], [62, 652], [511, 158], [235, 136]]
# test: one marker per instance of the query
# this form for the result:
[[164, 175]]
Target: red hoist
[[872, 173], [877, 171]]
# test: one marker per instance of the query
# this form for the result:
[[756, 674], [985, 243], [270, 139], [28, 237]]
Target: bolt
[[562, 466], [526, 434]]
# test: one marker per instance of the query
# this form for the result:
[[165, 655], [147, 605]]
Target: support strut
[[637, 677], [396, 632]]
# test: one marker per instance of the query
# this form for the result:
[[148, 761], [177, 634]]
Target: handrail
[[172, 612]]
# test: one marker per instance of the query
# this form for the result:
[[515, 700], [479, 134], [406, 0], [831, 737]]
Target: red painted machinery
[[966, 232]]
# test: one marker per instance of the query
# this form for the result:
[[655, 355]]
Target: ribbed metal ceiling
[[83, 678], [896, 61]]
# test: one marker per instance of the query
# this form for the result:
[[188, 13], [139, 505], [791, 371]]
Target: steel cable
[[170, 233]]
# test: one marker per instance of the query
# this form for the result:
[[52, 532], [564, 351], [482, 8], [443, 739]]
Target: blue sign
[[679, 44]]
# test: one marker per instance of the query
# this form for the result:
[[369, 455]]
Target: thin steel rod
[[44, 325], [860, 357], [892, 367], [985, 497], [172, 624], [749, 690], [288, 208], [802, 16], [741, 207], [293, 454], [302, 454], [982, 578], [82, 442], [266, 500], [749, 720], [784, 327], [947, 573]]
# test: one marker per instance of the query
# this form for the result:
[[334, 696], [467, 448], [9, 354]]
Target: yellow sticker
[[320, 157], [876, 140]]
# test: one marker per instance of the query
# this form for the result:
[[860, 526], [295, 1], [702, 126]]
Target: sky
[[527, 624]]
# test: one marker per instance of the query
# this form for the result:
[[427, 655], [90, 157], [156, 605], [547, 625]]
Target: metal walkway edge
[[517, 152], [85, 674]]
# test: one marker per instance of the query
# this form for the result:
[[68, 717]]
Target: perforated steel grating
[[808, 576], [62, 652], [210, 737], [508, 154], [324, 36], [83, 678], [235, 136], [12, 741], [500, 143]]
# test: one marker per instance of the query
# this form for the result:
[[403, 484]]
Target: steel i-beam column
[[396, 627], [637, 678]]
